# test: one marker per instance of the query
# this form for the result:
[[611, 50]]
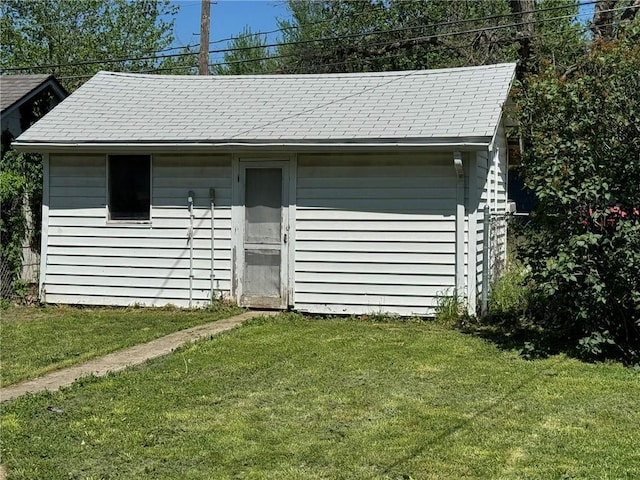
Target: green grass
[[34, 341], [296, 398]]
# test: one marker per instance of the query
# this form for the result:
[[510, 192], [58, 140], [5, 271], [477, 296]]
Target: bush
[[582, 160], [509, 295]]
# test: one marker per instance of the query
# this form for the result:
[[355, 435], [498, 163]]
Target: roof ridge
[[390, 73]]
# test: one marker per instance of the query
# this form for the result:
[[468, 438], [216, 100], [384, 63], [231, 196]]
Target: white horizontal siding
[[386, 237], [76, 263], [135, 252], [102, 299], [150, 242], [374, 234], [93, 261], [319, 267], [407, 259]]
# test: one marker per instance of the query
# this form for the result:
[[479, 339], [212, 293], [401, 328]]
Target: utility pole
[[203, 57]]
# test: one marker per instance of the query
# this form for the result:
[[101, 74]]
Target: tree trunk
[[631, 10], [523, 11], [602, 24]]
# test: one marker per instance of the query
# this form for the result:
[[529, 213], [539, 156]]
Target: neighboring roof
[[422, 106], [17, 89]]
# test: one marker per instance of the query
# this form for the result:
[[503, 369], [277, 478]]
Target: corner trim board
[[45, 227]]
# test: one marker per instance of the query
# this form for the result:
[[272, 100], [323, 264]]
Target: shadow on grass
[[509, 333]]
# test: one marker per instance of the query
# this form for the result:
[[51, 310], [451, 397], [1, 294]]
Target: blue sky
[[228, 18]]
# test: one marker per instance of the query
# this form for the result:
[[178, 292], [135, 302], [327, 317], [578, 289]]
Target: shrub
[[509, 295], [582, 160]]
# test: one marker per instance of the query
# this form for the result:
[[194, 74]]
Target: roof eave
[[462, 143]]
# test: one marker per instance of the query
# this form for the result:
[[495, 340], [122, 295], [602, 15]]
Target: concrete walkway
[[122, 359]]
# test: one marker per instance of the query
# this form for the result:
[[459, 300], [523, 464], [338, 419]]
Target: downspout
[[191, 235], [212, 198], [459, 259]]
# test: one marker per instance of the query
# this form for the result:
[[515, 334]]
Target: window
[[129, 187]]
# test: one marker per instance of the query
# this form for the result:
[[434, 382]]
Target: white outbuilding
[[333, 194]]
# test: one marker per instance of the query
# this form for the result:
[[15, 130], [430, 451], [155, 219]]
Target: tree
[[70, 38], [605, 16], [370, 35], [249, 55], [557, 42], [582, 160]]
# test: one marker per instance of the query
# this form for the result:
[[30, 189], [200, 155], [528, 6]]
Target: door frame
[[240, 164]]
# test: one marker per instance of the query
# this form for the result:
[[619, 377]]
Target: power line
[[425, 37], [337, 100], [269, 32], [375, 32], [445, 34], [317, 107], [352, 60], [253, 60], [371, 60], [383, 7]]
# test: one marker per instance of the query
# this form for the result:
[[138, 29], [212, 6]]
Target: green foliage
[[509, 295], [58, 32], [581, 158], [557, 43], [375, 35], [20, 181], [451, 310], [250, 56]]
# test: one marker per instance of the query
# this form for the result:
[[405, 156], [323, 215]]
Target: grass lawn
[[34, 341], [298, 398]]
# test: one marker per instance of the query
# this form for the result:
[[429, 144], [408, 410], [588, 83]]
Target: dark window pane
[[129, 187]]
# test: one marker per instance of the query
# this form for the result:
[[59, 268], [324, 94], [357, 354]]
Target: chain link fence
[[494, 250], [7, 278], [19, 258], [498, 224]]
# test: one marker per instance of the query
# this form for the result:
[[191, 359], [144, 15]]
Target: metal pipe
[[212, 198], [191, 235], [460, 223]]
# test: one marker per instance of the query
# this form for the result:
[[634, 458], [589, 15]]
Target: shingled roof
[[16, 88], [419, 107]]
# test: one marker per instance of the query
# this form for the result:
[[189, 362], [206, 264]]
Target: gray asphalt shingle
[[409, 106], [14, 87]]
